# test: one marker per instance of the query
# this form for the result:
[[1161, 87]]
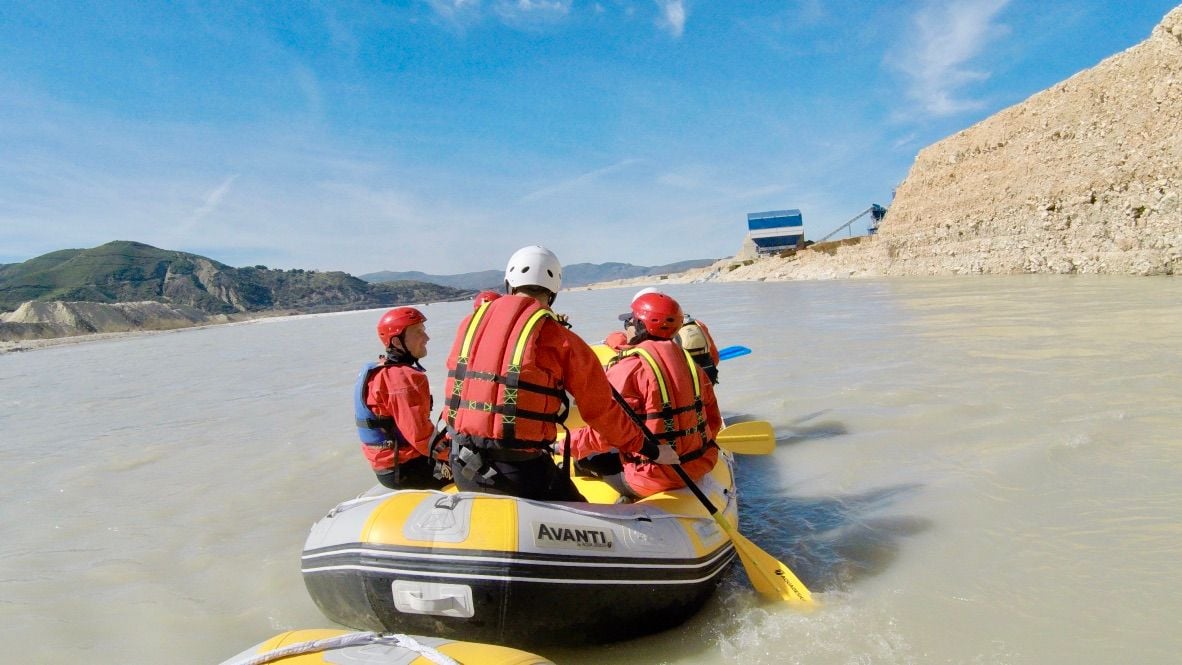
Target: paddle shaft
[[769, 577], [651, 438]]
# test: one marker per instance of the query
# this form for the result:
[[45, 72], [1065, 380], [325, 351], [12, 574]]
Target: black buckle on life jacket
[[472, 465]]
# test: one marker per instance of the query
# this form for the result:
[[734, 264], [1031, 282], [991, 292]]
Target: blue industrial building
[[776, 230]]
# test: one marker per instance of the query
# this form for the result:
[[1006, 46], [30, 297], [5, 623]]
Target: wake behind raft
[[519, 572]]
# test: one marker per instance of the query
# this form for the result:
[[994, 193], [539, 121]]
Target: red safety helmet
[[658, 314], [395, 321], [483, 297]]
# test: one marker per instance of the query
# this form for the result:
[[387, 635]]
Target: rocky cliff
[[1085, 177], [40, 320]]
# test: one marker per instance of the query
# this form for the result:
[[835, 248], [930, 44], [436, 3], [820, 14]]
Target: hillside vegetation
[[122, 271], [129, 286]]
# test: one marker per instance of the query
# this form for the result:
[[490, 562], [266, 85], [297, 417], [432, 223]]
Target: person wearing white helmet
[[644, 292], [532, 270], [693, 336], [509, 372]]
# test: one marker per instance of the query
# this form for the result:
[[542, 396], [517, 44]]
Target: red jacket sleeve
[[584, 378], [616, 340], [621, 375], [404, 394]]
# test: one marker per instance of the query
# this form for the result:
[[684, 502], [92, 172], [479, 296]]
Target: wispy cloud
[[518, 13], [213, 199], [937, 62], [454, 9], [181, 232], [532, 14], [673, 15], [576, 182]]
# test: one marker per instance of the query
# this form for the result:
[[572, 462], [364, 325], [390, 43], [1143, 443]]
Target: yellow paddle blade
[[769, 576], [751, 438]]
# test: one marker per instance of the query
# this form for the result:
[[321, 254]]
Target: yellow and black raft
[[309, 647], [520, 572]]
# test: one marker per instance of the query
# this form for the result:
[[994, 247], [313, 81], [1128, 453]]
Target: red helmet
[[483, 297], [658, 314], [397, 320]]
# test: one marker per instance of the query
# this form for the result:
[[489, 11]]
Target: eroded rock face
[[1085, 177], [38, 320]]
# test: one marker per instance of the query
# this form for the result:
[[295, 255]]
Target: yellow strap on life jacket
[[473, 324], [508, 415], [670, 426], [519, 349], [652, 362]]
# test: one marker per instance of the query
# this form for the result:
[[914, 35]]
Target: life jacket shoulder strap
[[509, 374]]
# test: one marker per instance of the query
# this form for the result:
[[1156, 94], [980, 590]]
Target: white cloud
[[576, 182], [673, 14], [212, 200], [531, 13], [947, 38], [453, 9], [561, 6], [518, 13]]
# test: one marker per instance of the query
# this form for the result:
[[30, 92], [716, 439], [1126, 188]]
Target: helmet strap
[[398, 355], [640, 336]]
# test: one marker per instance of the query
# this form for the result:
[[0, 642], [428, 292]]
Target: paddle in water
[[755, 437], [769, 576]]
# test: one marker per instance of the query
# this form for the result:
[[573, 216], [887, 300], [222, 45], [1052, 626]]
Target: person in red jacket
[[483, 297], [392, 404], [693, 336], [659, 380], [509, 372]]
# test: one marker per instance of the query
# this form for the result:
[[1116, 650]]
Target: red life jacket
[[676, 415], [497, 394]]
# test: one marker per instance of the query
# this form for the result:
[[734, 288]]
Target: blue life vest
[[372, 429]]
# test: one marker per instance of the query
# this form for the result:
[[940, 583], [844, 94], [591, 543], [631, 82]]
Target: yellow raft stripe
[[384, 525], [604, 353], [464, 652]]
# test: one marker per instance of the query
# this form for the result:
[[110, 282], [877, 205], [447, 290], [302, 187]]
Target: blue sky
[[441, 135]]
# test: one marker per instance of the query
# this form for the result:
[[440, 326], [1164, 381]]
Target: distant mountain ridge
[[576, 274], [124, 271]]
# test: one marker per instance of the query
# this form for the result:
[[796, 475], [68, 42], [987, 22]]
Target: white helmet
[[534, 265], [644, 292]]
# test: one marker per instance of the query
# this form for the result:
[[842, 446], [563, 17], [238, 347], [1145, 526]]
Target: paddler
[[693, 336], [392, 405], [509, 372], [663, 384]]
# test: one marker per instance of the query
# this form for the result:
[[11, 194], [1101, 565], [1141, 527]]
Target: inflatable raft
[[520, 572], [308, 647]]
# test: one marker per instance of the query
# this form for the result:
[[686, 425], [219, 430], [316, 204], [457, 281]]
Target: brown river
[[970, 470]]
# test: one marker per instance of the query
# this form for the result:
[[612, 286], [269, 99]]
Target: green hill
[[124, 271]]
